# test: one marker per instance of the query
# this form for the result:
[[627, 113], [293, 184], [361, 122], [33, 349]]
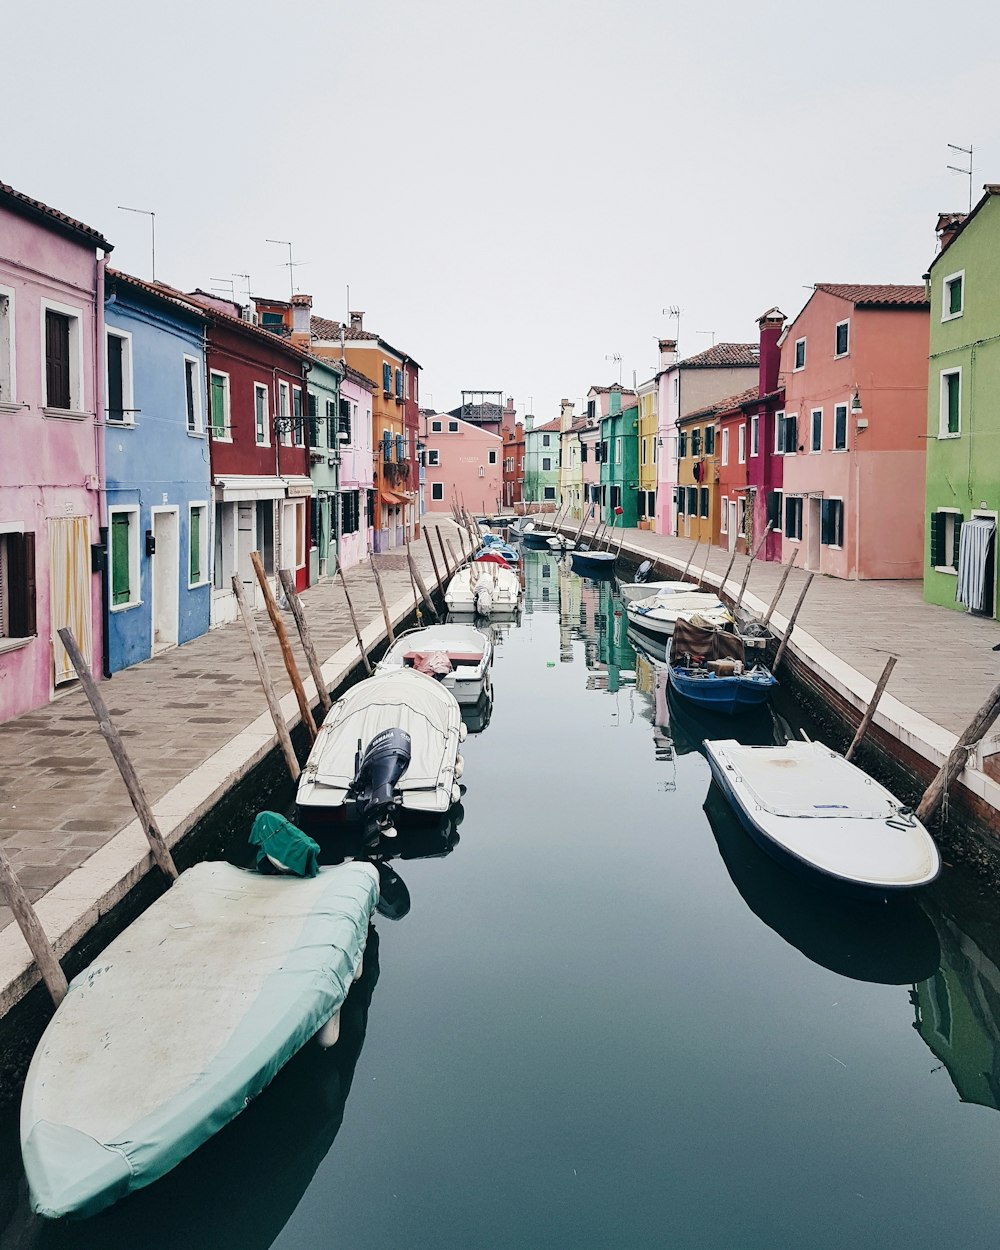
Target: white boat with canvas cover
[[484, 589], [633, 592], [459, 655], [400, 699], [811, 809], [658, 614]]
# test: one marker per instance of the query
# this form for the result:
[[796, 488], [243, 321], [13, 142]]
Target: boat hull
[[731, 695], [594, 563]]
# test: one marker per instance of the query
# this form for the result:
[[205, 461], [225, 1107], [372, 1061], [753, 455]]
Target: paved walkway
[[945, 663], [61, 796]]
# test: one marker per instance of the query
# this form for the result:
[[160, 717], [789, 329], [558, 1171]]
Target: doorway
[[733, 523], [165, 574], [814, 534]]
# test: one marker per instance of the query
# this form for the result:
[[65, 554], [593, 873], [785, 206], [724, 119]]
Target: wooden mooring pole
[[120, 755], [264, 672], [448, 570], [390, 632], [704, 567], [791, 622], [434, 563], [746, 572], [31, 927], [729, 569], [958, 757], [697, 544], [291, 668], [419, 582], [354, 619], [781, 585], [866, 720], [305, 637]]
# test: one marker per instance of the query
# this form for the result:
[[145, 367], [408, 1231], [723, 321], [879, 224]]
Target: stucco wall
[[464, 468]]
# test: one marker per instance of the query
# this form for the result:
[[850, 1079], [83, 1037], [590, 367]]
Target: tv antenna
[[711, 332], [674, 311], [224, 284], [291, 265], [615, 358], [148, 212], [960, 169], [246, 279]]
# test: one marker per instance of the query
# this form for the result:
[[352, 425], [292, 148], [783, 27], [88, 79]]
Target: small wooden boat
[[181, 1021], [499, 552], [821, 816], [458, 655], [484, 589], [594, 563], [709, 667], [536, 537], [633, 592], [658, 614]]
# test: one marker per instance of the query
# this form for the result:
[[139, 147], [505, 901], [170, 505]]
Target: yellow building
[[698, 476], [646, 500]]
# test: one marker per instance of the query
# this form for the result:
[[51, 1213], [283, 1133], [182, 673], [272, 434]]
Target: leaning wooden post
[[729, 569], [791, 622], [958, 757], [746, 571], [419, 581], [456, 563], [704, 567], [29, 924], [434, 563], [381, 598], [781, 586], [121, 756], [448, 570], [354, 619], [291, 668], [697, 544], [260, 659], [866, 720], [305, 637]]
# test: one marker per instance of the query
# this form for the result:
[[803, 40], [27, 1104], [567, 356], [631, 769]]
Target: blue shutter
[[386, 377]]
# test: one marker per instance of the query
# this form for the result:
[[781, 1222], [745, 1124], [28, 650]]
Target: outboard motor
[[372, 794], [644, 570], [483, 599]]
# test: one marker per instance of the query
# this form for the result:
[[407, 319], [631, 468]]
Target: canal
[[602, 1018]]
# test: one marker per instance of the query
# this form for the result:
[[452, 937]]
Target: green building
[[323, 399], [619, 453], [541, 465], [963, 443]]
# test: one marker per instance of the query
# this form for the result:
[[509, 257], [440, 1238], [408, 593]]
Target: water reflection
[[238, 1190]]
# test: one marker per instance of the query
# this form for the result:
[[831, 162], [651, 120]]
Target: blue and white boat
[[511, 554], [708, 667]]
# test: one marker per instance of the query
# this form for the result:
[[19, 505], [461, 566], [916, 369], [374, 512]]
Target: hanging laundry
[[975, 557]]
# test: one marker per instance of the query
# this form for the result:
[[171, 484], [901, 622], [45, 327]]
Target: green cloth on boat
[[281, 845]]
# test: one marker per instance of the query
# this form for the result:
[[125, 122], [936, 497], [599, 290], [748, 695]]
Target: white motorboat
[[658, 614], [181, 1021], [632, 592], [391, 741], [484, 589], [816, 813], [458, 655]]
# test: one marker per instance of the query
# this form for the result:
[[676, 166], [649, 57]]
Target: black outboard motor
[[644, 570], [372, 794]]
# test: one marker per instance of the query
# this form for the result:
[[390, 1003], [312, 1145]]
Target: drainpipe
[[102, 501]]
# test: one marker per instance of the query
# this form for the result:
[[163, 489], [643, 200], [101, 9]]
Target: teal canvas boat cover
[[283, 847], [181, 1021]]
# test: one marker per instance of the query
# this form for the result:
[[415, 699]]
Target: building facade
[[326, 421], [513, 463], [462, 464], [619, 450], [698, 476], [541, 464], [646, 498], [357, 478]]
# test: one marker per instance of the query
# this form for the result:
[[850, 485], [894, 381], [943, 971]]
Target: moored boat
[[484, 588], [633, 592], [457, 654], [709, 667], [658, 614], [594, 563]]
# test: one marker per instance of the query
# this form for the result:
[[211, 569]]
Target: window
[[549, 492], [591, 409], [583, 453], [832, 522], [545, 440], [840, 427], [724, 516], [618, 451], [779, 433], [350, 512], [793, 517], [192, 396], [400, 449], [493, 457], [406, 385], [118, 404], [775, 515], [452, 427], [951, 404], [709, 440], [800, 354], [437, 490], [283, 413], [953, 296], [945, 525], [435, 427], [725, 444], [787, 433], [755, 435], [198, 542], [682, 445], [742, 443], [260, 412], [124, 557], [842, 338], [644, 449], [546, 463], [219, 403], [344, 428], [816, 438], [399, 383], [386, 377], [63, 358], [297, 416], [679, 497], [6, 347], [696, 441], [703, 501], [692, 500], [17, 585]]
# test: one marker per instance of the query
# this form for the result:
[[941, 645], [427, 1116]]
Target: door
[[69, 590], [814, 528], [165, 570], [733, 523]]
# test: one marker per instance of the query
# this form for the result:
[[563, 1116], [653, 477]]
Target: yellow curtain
[[69, 590]]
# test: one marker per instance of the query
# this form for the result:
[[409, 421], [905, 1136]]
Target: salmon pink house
[[462, 462], [53, 519]]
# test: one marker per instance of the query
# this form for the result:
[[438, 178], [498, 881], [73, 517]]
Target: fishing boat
[[484, 589], [181, 1021], [633, 592], [819, 815], [458, 655], [499, 551], [390, 742], [709, 667], [658, 614]]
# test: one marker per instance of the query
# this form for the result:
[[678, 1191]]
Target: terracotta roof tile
[[325, 329], [24, 204], [725, 356], [549, 425], [868, 295], [159, 291], [729, 404]]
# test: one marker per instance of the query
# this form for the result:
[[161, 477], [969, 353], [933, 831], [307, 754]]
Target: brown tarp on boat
[[710, 644]]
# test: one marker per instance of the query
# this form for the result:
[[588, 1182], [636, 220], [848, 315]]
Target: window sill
[[66, 414], [15, 644], [6, 407], [125, 607], [952, 316], [197, 585], [197, 434], [221, 438], [942, 437], [841, 355], [946, 568], [110, 424]]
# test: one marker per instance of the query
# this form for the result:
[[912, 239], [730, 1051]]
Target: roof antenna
[[675, 312], [615, 358], [960, 169]]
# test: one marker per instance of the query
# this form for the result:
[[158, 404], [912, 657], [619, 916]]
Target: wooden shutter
[[824, 522], [218, 401], [119, 558], [195, 540], [21, 581], [771, 501], [959, 519], [57, 390], [791, 434], [116, 382], [936, 530]]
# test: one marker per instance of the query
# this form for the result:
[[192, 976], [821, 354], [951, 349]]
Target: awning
[[973, 588], [241, 487], [298, 485], [391, 499]]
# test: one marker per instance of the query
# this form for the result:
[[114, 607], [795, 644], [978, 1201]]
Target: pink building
[[462, 462], [854, 364], [356, 465], [52, 509]]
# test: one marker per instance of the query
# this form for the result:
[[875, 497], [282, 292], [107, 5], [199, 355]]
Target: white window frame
[[546, 464], [813, 414], [949, 539], [452, 427], [755, 435], [741, 443], [199, 413], [779, 437], [618, 451], [437, 486], [284, 411], [261, 388], [204, 563], [134, 575], [943, 431], [847, 350], [227, 427], [792, 538], [76, 392], [724, 519], [796, 367], [493, 457], [958, 275], [847, 428], [433, 456], [436, 427], [8, 345], [725, 444], [128, 391], [843, 523]]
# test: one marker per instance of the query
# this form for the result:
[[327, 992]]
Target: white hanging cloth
[[973, 553]]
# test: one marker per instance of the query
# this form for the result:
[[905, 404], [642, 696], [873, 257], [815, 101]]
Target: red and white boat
[[458, 655]]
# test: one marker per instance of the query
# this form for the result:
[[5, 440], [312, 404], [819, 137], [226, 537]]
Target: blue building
[[157, 471]]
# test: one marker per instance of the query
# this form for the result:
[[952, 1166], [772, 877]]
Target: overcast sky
[[513, 191]]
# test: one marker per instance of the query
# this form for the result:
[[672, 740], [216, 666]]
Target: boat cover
[[807, 779], [283, 846], [181, 1021], [691, 638]]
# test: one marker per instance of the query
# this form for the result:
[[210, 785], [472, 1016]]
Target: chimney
[[529, 422], [301, 311], [508, 416], [615, 397], [668, 353], [566, 407], [948, 225], [356, 319], [771, 324]]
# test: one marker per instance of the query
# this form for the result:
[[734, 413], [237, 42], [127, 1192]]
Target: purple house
[[52, 507]]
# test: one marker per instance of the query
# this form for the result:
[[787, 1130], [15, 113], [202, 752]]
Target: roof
[[216, 315], [323, 329], [353, 375], [549, 425], [989, 189], [728, 404], [164, 295], [605, 390], [18, 202], [725, 356], [863, 295]]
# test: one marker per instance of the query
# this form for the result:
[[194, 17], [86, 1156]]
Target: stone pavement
[[61, 796], [945, 663]]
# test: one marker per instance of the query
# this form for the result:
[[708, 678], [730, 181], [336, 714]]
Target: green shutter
[[195, 544], [955, 296], [954, 390], [218, 401], [119, 558], [958, 531]]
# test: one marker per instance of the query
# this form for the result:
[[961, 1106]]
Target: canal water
[[602, 1018]]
